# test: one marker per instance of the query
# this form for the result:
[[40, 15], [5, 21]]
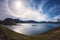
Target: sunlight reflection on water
[[31, 28]]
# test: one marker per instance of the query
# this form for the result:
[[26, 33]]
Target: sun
[[18, 4], [17, 7]]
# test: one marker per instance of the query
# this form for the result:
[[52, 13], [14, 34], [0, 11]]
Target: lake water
[[32, 28]]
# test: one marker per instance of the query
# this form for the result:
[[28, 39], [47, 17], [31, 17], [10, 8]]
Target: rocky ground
[[2, 36]]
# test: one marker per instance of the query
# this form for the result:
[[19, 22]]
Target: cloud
[[4, 13], [29, 10], [28, 13], [57, 17]]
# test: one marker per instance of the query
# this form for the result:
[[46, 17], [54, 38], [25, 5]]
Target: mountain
[[28, 21], [0, 21], [18, 21], [58, 20], [8, 21], [31, 21]]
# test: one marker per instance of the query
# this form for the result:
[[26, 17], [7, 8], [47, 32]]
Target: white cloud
[[27, 13], [57, 17]]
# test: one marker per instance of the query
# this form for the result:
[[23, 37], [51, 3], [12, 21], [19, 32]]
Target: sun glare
[[20, 10], [18, 4]]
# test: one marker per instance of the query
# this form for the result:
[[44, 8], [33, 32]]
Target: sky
[[38, 10]]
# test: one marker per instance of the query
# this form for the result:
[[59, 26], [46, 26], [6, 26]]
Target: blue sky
[[39, 10]]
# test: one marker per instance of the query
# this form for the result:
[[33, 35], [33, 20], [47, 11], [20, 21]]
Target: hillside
[[5, 34], [8, 21]]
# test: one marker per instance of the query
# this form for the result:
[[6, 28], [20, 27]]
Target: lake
[[32, 28]]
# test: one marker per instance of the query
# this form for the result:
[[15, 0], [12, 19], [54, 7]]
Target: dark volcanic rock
[[28, 21], [0, 22], [9, 21], [18, 21]]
